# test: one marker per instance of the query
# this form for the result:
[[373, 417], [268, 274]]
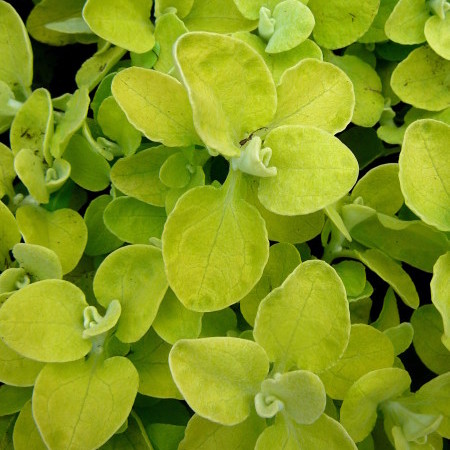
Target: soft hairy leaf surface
[[13, 398], [353, 275], [44, 321], [7, 172], [376, 32], [312, 307], [217, 70], [9, 234], [440, 293], [218, 377], [401, 337], [437, 32]]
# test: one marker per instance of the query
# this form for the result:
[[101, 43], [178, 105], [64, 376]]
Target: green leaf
[[218, 377], [174, 172], [7, 172], [36, 319], [424, 172], [389, 316], [218, 16], [26, 434], [437, 32], [314, 169], [368, 349], [13, 398], [359, 409], [115, 125], [134, 221], [339, 24], [100, 240], [283, 259], [380, 189], [15, 50], [376, 32], [353, 275], [129, 274], [217, 70], [421, 80], [401, 337], [38, 261], [124, 23], [313, 290], [174, 321], [218, 323], [440, 293], [85, 386], [203, 434], [206, 269], [428, 331], [62, 231], [102, 92], [309, 90], [392, 273], [9, 234], [95, 324]]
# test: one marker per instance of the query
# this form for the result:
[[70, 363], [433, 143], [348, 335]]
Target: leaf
[[389, 316], [368, 349], [283, 259], [26, 434], [218, 377], [124, 23], [216, 70], [206, 268], [203, 434], [9, 234], [437, 33], [424, 172], [134, 221], [174, 321], [218, 323], [440, 293], [7, 172], [85, 386], [353, 275], [62, 231], [376, 32], [100, 240], [421, 80], [312, 291], [13, 398], [15, 51], [359, 408], [427, 340], [135, 276], [339, 24], [182, 7], [36, 319], [309, 91], [401, 337], [174, 172], [150, 357], [314, 169]]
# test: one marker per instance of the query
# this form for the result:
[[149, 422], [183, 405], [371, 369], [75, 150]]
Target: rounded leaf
[[440, 293], [26, 434], [437, 32]]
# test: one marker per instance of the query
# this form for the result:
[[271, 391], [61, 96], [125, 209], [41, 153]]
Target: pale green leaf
[[67, 398], [425, 172], [182, 7], [339, 24], [13, 398], [359, 409], [422, 80], [217, 70], [437, 32], [283, 259], [134, 221], [144, 93], [9, 234], [368, 349], [401, 336], [95, 324], [174, 173], [389, 316], [202, 434], [124, 23], [214, 246], [100, 239], [16, 53], [376, 31], [135, 276], [251, 8], [44, 321], [62, 231], [26, 434], [218, 377], [305, 322], [353, 275], [428, 331], [7, 172], [314, 169], [315, 93], [174, 321], [440, 293]]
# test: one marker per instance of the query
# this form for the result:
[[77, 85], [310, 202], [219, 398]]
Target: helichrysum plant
[[213, 239]]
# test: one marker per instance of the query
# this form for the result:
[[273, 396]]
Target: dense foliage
[[215, 240]]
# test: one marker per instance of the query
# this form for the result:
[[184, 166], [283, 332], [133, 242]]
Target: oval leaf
[[440, 293]]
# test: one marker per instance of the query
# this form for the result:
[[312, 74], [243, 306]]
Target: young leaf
[[143, 93], [135, 276], [9, 234], [437, 34], [36, 319], [313, 290], [389, 316], [214, 246], [424, 170], [26, 434], [124, 23], [218, 377], [314, 169], [217, 69], [86, 386], [62, 231], [401, 337], [309, 90], [440, 293]]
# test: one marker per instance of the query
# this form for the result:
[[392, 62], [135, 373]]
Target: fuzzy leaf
[[437, 32], [26, 434], [440, 293]]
